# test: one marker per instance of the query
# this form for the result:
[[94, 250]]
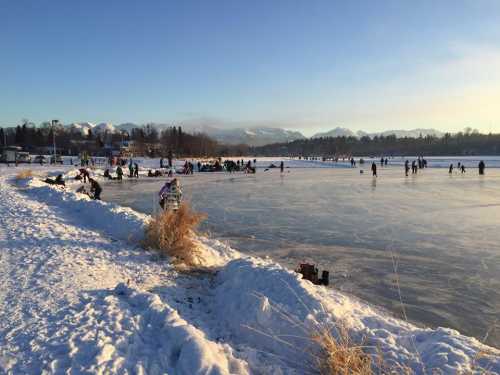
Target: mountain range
[[252, 136], [414, 133]]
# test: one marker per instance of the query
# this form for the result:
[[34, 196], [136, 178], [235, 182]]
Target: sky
[[304, 65]]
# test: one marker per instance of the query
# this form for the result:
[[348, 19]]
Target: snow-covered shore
[[80, 295]]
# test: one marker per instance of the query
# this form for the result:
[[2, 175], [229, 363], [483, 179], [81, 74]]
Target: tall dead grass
[[170, 233], [24, 174], [340, 355]]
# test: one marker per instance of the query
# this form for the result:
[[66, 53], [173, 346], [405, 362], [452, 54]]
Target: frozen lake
[[442, 230]]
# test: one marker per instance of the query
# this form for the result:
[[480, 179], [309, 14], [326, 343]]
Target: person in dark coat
[[119, 173], [282, 167], [95, 189], [481, 167], [84, 174], [136, 170], [374, 169], [407, 167]]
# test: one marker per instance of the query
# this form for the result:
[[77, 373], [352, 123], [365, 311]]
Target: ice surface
[[441, 229]]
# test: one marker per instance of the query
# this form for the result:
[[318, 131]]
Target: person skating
[[119, 173], [282, 167], [407, 167], [414, 167], [481, 167], [136, 170], [374, 169], [131, 169], [450, 170]]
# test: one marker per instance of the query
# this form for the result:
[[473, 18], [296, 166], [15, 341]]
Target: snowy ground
[[79, 295]]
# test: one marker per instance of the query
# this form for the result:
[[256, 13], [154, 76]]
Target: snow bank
[[272, 308], [119, 222], [159, 339]]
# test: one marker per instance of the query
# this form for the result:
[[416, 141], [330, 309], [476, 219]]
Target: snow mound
[[267, 306], [152, 325], [121, 223]]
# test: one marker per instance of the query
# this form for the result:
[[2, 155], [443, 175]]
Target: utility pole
[[54, 123]]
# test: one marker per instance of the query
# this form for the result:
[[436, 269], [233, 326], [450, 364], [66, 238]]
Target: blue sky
[[306, 65]]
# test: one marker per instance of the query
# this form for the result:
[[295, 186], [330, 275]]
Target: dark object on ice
[[272, 166], [58, 181], [481, 167], [310, 272]]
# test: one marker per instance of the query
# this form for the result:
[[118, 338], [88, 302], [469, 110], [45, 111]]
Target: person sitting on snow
[[95, 189]]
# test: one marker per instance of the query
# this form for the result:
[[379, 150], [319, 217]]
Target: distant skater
[[119, 173], [414, 167], [374, 169], [136, 170], [450, 171], [282, 167], [407, 167], [481, 167], [462, 168], [130, 169]]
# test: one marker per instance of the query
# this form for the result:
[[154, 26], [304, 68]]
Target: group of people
[[420, 163], [95, 188]]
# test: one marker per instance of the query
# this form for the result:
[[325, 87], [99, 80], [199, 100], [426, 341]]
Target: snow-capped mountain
[[82, 127], [253, 136], [414, 133], [337, 132], [104, 127]]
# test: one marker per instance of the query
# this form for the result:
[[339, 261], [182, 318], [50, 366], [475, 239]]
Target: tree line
[[462, 143], [145, 140]]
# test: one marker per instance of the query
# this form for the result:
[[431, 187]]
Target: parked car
[[40, 159], [58, 159], [23, 157]]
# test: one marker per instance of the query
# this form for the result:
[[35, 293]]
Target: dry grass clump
[[24, 174], [340, 355], [170, 233]]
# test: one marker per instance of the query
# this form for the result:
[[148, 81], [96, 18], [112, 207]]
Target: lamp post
[[54, 123]]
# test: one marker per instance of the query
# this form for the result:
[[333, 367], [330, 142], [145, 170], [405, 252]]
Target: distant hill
[[414, 133], [337, 132]]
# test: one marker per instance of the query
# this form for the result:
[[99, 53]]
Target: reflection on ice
[[442, 229]]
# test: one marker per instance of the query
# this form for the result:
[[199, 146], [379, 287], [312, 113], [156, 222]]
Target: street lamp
[[54, 124]]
